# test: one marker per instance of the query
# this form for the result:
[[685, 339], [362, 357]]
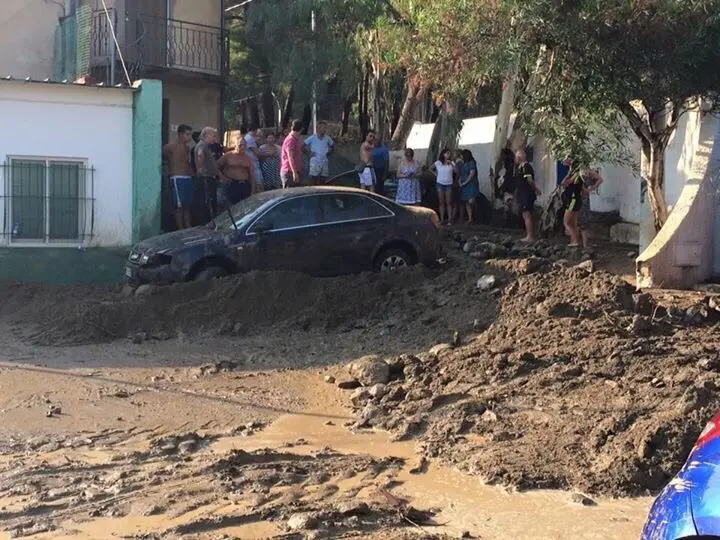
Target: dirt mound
[[570, 387], [52, 315]]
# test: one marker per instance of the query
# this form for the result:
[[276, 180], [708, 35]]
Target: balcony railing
[[159, 43]]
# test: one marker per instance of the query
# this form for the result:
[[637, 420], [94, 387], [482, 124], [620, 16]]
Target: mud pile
[[436, 300], [578, 384]]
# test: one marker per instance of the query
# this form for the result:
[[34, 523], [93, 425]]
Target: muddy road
[[227, 410]]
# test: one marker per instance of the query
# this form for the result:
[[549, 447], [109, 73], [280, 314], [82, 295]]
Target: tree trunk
[[377, 103], [407, 117], [654, 138], [363, 104], [288, 109], [307, 119], [347, 111], [653, 171], [396, 109], [436, 139], [254, 111], [502, 125], [268, 109]]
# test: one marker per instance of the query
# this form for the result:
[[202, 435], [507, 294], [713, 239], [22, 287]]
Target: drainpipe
[[224, 60], [113, 59]]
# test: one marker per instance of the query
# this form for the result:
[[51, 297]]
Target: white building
[[66, 153]]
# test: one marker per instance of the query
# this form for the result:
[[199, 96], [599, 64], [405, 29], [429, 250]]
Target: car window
[[298, 212], [348, 207]]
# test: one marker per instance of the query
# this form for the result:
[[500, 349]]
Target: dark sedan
[[322, 231]]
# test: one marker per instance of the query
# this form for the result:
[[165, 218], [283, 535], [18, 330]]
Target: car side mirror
[[262, 228]]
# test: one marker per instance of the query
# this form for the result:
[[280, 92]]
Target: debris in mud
[[178, 444], [329, 379], [575, 351], [53, 410], [369, 370], [579, 498], [487, 282], [223, 366]]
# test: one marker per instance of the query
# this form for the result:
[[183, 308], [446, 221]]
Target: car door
[[354, 226], [285, 237]]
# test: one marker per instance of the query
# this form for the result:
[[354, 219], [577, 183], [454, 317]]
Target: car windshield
[[242, 211]]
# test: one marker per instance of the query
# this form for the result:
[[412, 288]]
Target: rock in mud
[[349, 385], [370, 416], [640, 325], [643, 304], [370, 370], [187, 447], [138, 338], [329, 379], [53, 410], [302, 522], [435, 350], [587, 266], [709, 364], [352, 508], [360, 396], [486, 282], [127, 291], [377, 391], [579, 498], [145, 290]]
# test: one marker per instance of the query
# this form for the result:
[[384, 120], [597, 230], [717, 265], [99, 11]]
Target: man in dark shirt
[[526, 193], [381, 165]]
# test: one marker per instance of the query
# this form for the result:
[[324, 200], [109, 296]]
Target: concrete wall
[[147, 163], [27, 30], [621, 191], [681, 254], [194, 104], [67, 121]]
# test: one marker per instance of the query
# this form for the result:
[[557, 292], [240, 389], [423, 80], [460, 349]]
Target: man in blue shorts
[[176, 160]]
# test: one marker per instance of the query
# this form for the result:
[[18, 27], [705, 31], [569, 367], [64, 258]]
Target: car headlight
[[154, 259]]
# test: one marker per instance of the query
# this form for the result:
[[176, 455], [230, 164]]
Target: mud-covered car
[[322, 231]]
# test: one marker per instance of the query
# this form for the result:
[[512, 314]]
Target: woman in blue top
[[469, 186]]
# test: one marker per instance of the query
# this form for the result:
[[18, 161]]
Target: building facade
[[182, 43], [80, 176]]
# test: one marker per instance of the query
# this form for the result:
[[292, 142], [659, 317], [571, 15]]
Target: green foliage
[[584, 61], [279, 34]]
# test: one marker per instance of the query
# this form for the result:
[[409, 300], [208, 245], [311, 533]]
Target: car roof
[[313, 190]]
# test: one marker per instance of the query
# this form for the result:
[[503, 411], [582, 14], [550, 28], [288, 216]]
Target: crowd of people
[[206, 178]]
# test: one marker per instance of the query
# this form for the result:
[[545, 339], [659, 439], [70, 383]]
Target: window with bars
[[47, 200]]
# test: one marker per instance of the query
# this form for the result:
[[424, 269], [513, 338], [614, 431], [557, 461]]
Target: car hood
[[169, 242]]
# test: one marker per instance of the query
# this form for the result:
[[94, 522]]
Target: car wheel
[[210, 273], [393, 259]]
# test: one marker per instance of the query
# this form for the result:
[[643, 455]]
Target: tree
[[583, 66], [650, 60], [283, 54]]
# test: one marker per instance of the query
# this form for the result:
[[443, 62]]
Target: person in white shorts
[[319, 146], [366, 172]]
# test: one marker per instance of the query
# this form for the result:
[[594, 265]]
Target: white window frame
[[83, 191]]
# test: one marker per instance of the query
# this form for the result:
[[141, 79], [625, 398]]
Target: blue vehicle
[[689, 506]]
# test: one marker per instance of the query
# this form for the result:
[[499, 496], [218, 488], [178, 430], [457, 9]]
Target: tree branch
[[636, 122]]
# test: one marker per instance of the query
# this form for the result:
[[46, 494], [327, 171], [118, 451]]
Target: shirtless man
[[176, 161], [237, 172], [367, 176]]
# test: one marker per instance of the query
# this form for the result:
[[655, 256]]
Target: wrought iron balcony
[[151, 44]]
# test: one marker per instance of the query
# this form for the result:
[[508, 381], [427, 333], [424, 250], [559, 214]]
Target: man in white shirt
[[319, 146]]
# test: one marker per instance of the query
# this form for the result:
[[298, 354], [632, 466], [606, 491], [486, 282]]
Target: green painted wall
[[147, 160], [63, 265]]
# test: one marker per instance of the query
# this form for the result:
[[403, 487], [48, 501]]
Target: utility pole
[[314, 85]]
